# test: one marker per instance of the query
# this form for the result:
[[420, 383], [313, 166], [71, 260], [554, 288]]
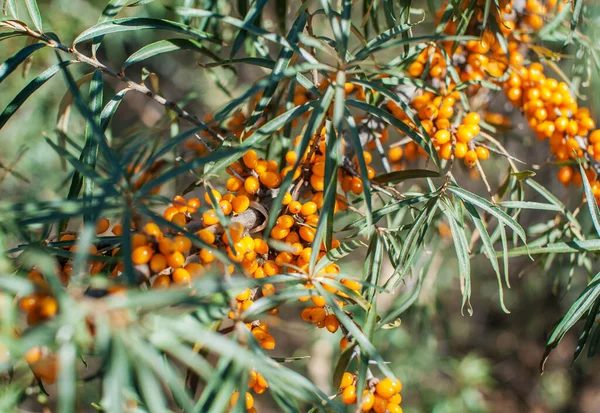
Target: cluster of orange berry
[[257, 383], [380, 396]]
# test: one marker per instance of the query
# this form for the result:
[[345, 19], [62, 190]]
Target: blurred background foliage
[[449, 363]]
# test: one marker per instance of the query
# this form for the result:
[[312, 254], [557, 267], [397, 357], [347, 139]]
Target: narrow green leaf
[[34, 13], [162, 47], [28, 90], [140, 23], [490, 208], [15, 60]]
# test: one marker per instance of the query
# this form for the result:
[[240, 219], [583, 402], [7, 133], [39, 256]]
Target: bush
[[253, 168]]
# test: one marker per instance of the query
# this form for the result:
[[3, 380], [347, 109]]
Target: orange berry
[[368, 401], [158, 262], [179, 219], [193, 205], [251, 185], [349, 395], [162, 281], [472, 118], [216, 194], [471, 158], [385, 388], [482, 153], [142, 254], [181, 276], [210, 218], [295, 207], [180, 203], [565, 174], [182, 244], [240, 204], [347, 380], [102, 225], [250, 159], [176, 259], [308, 208]]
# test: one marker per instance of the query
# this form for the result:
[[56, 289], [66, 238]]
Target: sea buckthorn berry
[[152, 230], [344, 342], [482, 153], [295, 207], [349, 395], [472, 118], [142, 254], [225, 207], [182, 244], [442, 136], [251, 185], [234, 184], [102, 225], [347, 380], [286, 221], [138, 240], [565, 175], [210, 218], [279, 232], [307, 234], [165, 246], [216, 194], [393, 408], [169, 213], [308, 208], [162, 281], [250, 159], [357, 185], [368, 401], [395, 154], [117, 230], [193, 205], [176, 259], [270, 179], [181, 276], [240, 204], [180, 203], [396, 398], [471, 158], [265, 340], [48, 307], [287, 198], [385, 388], [158, 262], [179, 219], [331, 323]]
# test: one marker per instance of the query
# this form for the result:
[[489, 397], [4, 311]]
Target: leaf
[[28, 90], [538, 206], [575, 17], [110, 11], [399, 176], [15, 60], [590, 198], [90, 148], [488, 248], [249, 17], [161, 47], [413, 242], [461, 245], [490, 208], [574, 246], [140, 23], [578, 309], [34, 13], [383, 38], [111, 108]]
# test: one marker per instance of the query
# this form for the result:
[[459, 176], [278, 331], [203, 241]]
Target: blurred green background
[[449, 363]]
